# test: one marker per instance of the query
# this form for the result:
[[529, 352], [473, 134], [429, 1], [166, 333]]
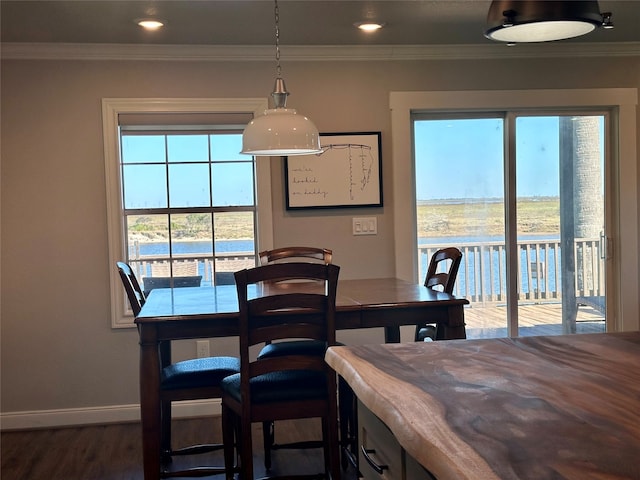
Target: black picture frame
[[347, 174]]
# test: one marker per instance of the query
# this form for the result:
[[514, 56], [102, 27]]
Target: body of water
[[194, 247]]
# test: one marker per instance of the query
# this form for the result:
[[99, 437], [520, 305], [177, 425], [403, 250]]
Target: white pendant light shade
[[529, 21], [281, 131]]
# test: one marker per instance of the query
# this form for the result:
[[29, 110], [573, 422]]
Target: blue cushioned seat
[[348, 423], [294, 347], [280, 386], [198, 372]]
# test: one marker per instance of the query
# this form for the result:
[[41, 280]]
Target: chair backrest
[[304, 309], [131, 286], [443, 269], [295, 254]]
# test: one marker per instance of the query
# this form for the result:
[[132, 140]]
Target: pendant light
[[281, 130], [527, 21]]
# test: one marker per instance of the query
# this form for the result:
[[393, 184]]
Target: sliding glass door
[[522, 196], [559, 165], [460, 202]]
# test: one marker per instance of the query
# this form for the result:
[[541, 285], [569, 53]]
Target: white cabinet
[[380, 454]]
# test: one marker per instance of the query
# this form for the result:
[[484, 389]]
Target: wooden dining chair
[[347, 400], [195, 379], [289, 254], [441, 275], [131, 287], [292, 385]]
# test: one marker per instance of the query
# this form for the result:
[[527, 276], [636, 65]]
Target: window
[[184, 207], [188, 205], [621, 189]]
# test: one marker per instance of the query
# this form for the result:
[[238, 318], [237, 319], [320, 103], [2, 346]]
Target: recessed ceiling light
[[150, 23], [369, 26]]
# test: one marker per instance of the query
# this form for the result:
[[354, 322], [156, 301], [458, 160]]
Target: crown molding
[[245, 53]]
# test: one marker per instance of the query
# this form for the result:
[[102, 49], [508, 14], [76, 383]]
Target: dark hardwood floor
[[114, 452]]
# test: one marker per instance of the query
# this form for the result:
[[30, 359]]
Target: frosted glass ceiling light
[[369, 26], [281, 130], [528, 21], [150, 23]]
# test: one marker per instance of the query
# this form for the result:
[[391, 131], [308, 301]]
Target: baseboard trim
[[72, 417]]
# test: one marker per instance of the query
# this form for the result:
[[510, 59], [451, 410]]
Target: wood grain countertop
[[511, 408]]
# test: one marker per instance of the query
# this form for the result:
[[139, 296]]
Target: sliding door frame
[[623, 286]]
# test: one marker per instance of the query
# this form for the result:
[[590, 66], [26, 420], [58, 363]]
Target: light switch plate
[[365, 225]]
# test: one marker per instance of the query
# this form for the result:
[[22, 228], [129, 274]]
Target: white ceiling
[[251, 22]]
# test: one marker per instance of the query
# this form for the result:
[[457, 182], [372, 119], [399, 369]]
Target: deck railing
[[221, 268], [482, 274]]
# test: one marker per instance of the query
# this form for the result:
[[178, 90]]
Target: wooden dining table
[[206, 312], [535, 408]]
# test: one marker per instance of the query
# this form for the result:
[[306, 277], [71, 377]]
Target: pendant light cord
[[279, 93], [277, 17]]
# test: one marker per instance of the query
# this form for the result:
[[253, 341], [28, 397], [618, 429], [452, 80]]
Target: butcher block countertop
[[511, 408]]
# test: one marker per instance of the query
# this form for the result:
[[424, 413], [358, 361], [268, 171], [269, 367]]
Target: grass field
[[191, 226], [445, 220]]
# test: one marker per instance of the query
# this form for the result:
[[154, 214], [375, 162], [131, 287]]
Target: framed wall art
[[347, 173]]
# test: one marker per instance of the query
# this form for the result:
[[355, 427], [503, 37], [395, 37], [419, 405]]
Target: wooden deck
[[536, 319]]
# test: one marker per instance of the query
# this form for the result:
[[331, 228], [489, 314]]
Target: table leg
[[454, 329], [150, 401], [392, 334]]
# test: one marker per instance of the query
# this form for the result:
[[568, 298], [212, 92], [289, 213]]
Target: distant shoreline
[[461, 201], [188, 240]]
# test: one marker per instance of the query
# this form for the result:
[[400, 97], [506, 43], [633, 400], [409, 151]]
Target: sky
[[471, 152], [455, 158], [145, 185]]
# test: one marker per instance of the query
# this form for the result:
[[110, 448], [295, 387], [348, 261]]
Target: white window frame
[[121, 315], [624, 187]]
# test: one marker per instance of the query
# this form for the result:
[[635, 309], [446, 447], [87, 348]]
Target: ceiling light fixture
[[529, 21], [369, 26], [150, 24], [280, 131]]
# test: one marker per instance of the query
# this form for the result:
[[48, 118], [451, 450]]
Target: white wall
[[61, 360]]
